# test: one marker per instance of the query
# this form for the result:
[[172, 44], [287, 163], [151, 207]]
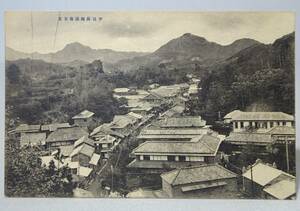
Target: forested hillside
[[258, 74], [39, 92]]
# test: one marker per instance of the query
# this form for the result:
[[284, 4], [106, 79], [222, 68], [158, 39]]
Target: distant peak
[[76, 45]]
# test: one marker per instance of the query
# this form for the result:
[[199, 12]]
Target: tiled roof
[[195, 131], [157, 164], [181, 122], [121, 121], [282, 130], [66, 134], [83, 149], [197, 174], [260, 116], [55, 126], [83, 115], [206, 145], [84, 140], [244, 137], [28, 128], [103, 130], [33, 139]]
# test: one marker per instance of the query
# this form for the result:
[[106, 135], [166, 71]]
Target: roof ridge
[[178, 171]]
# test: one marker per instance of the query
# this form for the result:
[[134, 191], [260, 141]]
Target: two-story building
[[83, 119], [106, 145], [243, 121], [159, 156]]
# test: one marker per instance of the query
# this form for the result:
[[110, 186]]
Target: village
[[165, 153]]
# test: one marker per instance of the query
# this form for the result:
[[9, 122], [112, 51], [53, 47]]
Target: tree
[[13, 74], [26, 177]]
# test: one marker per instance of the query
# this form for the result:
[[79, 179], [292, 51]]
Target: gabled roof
[[263, 174], [28, 128], [153, 96], [193, 131], [83, 149], [232, 114], [246, 137], [83, 115], [197, 174], [206, 145], [84, 140], [181, 122], [105, 130], [66, 134], [33, 139], [282, 130], [108, 139], [121, 121], [55, 126], [261, 116]]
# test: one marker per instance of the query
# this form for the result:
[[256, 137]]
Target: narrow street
[[95, 185]]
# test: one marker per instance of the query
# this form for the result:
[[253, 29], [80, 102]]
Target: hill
[[258, 74], [185, 52], [74, 52]]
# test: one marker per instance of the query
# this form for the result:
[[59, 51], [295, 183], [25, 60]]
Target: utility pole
[[287, 155], [252, 188], [112, 178]]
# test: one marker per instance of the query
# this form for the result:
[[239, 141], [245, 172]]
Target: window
[[293, 124], [181, 158], [242, 124], [171, 158], [236, 125], [283, 123], [271, 124], [264, 125], [250, 124], [256, 124], [278, 123], [146, 157], [138, 157]]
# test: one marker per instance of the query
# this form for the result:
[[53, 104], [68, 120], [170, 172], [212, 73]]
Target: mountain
[[75, 52], [186, 50], [259, 74]]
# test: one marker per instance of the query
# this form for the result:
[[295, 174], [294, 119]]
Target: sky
[[43, 32]]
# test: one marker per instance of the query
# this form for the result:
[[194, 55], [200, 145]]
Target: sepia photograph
[[153, 104]]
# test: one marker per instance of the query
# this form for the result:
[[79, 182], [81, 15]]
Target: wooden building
[[83, 119], [265, 181], [204, 181], [159, 156], [65, 136]]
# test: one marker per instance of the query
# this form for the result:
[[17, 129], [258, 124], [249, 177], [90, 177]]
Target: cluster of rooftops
[[185, 143]]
